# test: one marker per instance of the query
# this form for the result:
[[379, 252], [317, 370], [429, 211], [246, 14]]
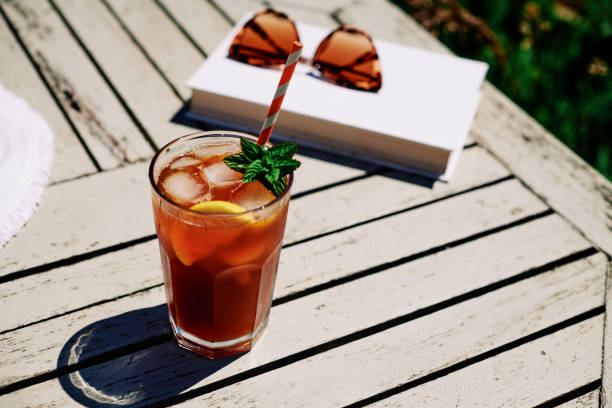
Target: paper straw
[[281, 89]]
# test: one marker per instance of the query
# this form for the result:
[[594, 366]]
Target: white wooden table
[[392, 291]]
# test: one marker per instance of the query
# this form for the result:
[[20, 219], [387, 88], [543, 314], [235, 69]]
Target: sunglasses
[[347, 56]]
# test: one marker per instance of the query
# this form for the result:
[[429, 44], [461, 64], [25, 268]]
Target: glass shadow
[[115, 367]]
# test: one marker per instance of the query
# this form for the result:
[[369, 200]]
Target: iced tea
[[219, 266]]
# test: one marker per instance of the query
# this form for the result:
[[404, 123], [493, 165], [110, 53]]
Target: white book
[[418, 120]]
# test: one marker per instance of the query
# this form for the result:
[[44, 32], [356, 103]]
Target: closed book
[[418, 121]]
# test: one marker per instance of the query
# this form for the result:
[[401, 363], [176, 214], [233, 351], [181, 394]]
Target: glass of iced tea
[[219, 263]]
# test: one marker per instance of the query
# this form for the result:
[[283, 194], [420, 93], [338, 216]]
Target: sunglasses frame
[[328, 71]]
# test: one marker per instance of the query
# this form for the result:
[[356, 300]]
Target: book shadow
[[131, 373], [183, 117]]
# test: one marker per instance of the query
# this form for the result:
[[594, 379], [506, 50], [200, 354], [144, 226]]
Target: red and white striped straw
[[281, 89]]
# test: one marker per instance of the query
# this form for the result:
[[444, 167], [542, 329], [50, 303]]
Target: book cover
[[417, 121]]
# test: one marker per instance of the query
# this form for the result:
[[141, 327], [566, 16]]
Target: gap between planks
[[61, 213], [20, 75], [495, 208], [78, 85], [521, 260], [539, 307]]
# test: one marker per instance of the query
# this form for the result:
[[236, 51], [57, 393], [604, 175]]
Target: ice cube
[[183, 187], [221, 150], [252, 195], [219, 174], [184, 161]]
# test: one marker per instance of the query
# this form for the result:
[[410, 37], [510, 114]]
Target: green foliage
[[269, 166], [553, 58]]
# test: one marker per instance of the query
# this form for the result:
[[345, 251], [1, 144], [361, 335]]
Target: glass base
[[214, 350]]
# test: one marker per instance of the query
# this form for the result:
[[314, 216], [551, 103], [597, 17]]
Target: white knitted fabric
[[26, 152]]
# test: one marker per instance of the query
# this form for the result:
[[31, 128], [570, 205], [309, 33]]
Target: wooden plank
[[161, 39], [33, 350], [191, 14], [589, 400], [74, 286], [321, 260], [398, 26], [524, 247], [236, 9], [69, 228], [96, 279], [151, 99], [510, 312], [202, 22], [385, 360], [606, 385], [102, 278], [563, 180], [65, 216], [313, 6], [83, 215], [91, 105], [529, 375], [383, 194], [19, 76], [309, 14]]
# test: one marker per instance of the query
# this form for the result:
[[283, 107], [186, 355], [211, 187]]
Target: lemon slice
[[223, 207]]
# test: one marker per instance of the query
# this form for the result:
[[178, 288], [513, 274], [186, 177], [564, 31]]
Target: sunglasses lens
[[266, 39], [348, 56]]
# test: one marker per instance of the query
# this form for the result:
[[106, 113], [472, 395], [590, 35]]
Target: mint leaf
[[273, 175], [254, 171], [237, 162], [286, 150], [268, 166], [287, 165], [277, 187], [251, 151]]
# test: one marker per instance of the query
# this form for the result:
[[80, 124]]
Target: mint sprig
[[268, 166]]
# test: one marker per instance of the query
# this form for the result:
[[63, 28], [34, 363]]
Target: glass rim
[[208, 134]]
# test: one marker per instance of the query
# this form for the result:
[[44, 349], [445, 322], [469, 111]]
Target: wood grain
[[397, 27], [307, 13], [150, 99], [369, 198], [96, 279], [406, 352], [19, 76], [361, 247], [439, 339], [71, 230], [161, 39], [606, 386], [203, 23], [563, 180], [523, 247], [91, 105], [529, 375], [236, 9], [81, 216], [102, 278], [314, 6], [589, 400]]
